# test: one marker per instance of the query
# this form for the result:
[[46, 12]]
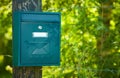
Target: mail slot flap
[[41, 17]]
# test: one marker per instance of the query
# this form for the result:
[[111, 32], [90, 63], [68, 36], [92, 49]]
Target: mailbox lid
[[40, 50], [41, 17]]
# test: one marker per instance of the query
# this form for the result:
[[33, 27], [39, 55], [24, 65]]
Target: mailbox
[[36, 38]]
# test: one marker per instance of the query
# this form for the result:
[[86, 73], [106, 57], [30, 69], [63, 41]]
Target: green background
[[90, 39]]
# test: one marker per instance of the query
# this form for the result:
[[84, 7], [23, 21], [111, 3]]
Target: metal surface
[[36, 39]]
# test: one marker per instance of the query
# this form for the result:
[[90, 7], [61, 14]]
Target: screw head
[[40, 27]]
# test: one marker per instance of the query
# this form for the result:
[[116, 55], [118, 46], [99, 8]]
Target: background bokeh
[[90, 38]]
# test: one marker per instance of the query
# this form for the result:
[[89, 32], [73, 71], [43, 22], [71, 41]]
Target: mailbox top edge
[[31, 12], [39, 16]]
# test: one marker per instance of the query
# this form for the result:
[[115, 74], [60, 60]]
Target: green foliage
[[5, 38], [90, 40]]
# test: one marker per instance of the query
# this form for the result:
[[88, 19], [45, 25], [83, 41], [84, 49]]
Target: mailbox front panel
[[36, 39], [40, 43]]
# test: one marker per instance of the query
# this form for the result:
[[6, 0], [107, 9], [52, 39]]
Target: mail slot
[[36, 39]]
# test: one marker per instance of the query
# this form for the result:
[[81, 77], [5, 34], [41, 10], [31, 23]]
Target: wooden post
[[27, 72]]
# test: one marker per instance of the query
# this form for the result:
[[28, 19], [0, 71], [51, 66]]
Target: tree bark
[[27, 72]]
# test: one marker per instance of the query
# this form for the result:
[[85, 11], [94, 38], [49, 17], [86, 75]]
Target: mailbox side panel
[[16, 38]]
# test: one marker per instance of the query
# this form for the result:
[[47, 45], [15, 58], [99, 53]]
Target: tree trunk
[[103, 45], [27, 72]]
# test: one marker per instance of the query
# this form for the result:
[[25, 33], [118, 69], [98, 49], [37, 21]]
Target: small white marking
[[40, 27], [40, 34]]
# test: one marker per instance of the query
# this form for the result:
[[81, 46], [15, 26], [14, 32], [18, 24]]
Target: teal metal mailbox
[[36, 39]]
